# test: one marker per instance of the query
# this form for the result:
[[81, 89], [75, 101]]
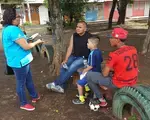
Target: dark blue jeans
[[73, 63], [24, 79]]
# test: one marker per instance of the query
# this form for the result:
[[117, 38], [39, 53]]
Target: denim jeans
[[73, 63], [24, 79], [96, 79]]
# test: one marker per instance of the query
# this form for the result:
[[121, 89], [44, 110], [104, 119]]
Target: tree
[[56, 22], [71, 8], [122, 6], [112, 13], [146, 45], [122, 11]]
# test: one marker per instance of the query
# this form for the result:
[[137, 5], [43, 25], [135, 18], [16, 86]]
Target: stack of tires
[[136, 101]]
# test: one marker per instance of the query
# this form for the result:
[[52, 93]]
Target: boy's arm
[[109, 64], [87, 69]]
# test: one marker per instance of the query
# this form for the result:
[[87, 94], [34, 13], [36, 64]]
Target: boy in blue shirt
[[94, 64]]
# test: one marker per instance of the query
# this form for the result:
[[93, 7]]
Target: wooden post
[[29, 11]]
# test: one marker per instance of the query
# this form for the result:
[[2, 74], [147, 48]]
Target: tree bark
[[56, 21], [122, 9], [112, 14], [149, 19], [146, 45], [71, 18], [118, 8]]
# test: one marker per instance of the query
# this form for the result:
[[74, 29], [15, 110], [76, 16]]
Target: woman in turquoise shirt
[[18, 57]]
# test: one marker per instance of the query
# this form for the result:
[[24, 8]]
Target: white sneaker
[[50, 85], [57, 88]]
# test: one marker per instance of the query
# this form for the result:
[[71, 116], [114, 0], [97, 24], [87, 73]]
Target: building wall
[[147, 5], [129, 10], [138, 8], [43, 13]]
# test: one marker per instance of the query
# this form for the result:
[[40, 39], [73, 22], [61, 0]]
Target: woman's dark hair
[[9, 15]]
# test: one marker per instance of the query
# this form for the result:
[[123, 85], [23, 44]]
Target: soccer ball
[[94, 105]]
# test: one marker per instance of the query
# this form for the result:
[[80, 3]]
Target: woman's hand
[[39, 41]]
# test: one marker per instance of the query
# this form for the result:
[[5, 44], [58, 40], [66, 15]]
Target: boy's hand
[[84, 71], [80, 70], [87, 69]]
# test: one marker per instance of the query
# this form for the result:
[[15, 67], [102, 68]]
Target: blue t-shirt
[[15, 55], [95, 59]]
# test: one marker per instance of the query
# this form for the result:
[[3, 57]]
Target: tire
[[36, 49], [48, 52], [136, 97]]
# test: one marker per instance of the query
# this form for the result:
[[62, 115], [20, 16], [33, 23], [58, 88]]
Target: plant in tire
[[137, 97]]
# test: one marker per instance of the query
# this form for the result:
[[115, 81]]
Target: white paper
[[83, 75]]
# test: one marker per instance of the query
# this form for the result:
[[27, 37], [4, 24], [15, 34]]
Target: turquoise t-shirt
[[16, 56]]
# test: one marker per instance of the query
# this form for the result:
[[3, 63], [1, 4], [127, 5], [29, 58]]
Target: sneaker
[[49, 85], [78, 96], [77, 102], [34, 100], [85, 95], [57, 88], [103, 103], [27, 107]]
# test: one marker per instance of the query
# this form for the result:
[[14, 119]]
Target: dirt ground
[[55, 106]]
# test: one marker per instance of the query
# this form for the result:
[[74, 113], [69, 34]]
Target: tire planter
[[137, 97], [47, 51], [36, 49]]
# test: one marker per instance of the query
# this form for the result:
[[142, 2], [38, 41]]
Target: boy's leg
[[80, 85], [80, 90]]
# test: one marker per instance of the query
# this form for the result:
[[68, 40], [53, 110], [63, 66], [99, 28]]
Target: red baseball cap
[[119, 33]]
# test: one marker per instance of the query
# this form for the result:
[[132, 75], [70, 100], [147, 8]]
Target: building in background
[[101, 10], [38, 12], [98, 11]]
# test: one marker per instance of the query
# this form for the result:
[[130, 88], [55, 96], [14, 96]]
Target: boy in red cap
[[123, 62]]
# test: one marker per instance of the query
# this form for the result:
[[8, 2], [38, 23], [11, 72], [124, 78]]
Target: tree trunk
[[57, 35], [149, 19], [71, 19], [146, 45], [122, 10], [118, 8], [112, 14]]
